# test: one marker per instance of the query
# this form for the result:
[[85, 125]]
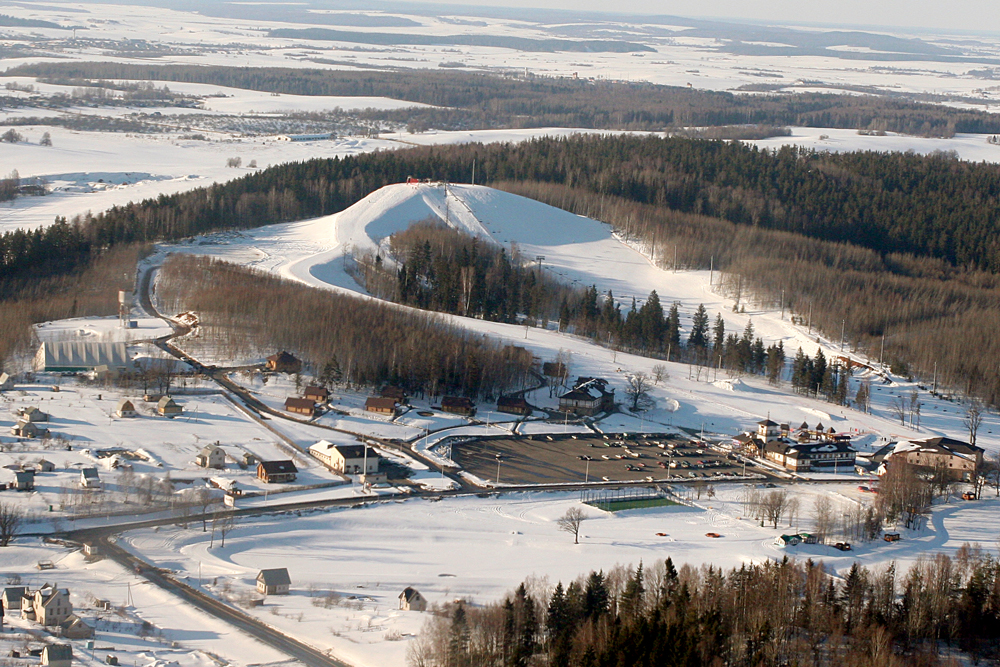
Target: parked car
[[843, 546], [891, 537]]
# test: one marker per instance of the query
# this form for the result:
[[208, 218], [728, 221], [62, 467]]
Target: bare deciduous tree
[[897, 407], [660, 373], [570, 522], [823, 517], [637, 386], [11, 518], [973, 419], [774, 505]]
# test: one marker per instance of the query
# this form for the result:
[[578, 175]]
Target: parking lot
[[560, 459]]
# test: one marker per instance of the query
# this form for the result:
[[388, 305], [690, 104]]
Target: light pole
[[586, 477], [498, 469]]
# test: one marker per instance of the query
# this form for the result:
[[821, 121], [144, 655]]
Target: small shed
[[283, 362], [126, 408], [459, 405], [276, 471], [411, 600], [274, 582], [514, 405], [44, 465], [300, 406], [89, 479], [24, 480], [57, 655], [167, 407], [11, 597], [317, 394], [211, 456], [382, 406]]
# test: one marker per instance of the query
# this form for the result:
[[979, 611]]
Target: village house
[[283, 362], [167, 407], [75, 628], [52, 606], [126, 408], [959, 459], [276, 472], [317, 394], [32, 414], [395, 393], [89, 478], [799, 457], [211, 456], [24, 480], [459, 405], [26, 429], [300, 406], [411, 600], [588, 397], [514, 405], [347, 459], [57, 655], [381, 406], [11, 597], [274, 582], [44, 465]]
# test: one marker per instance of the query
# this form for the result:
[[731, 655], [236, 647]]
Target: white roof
[[77, 354]]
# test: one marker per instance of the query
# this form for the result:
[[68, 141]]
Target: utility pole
[[675, 258], [711, 270], [843, 328], [935, 377], [782, 304], [539, 259], [810, 317], [882, 351], [473, 171]]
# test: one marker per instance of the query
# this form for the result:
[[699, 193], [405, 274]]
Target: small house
[[411, 600], [11, 597], [32, 414], [393, 392], [300, 406], [382, 406], [347, 459], [514, 405], [167, 407], [75, 628], [89, 478], [274, 582], [125, 408], [44, 465], [211, 456], [787, 540], [283, 362], [272, 472], [57, 655], [459, 405], [589, 396], [24, 480], [27, 429], [316, 394], [808, 538], [52, 605], [6, 382]]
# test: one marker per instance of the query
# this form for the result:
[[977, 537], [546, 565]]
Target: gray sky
[[971, 15]]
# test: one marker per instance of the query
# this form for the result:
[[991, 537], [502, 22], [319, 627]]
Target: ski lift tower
[[124, 307]]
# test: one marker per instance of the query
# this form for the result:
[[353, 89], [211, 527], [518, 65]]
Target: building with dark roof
[[799, 457], [276, 472], [959, 458], [274, 582], [589, 396]]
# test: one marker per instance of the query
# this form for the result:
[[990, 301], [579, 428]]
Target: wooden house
[[411, 600], [125, 408], [382, 406], [959, 459], [276, 472], [514, 405], [317, 394], [393, 392], [26, 429], [347, 459], [89, 479], [32, 414], [211, 456], [11, 597], [589, 396], [283, 362], [44, 465], [300, 406], [167, 407], [274, 582], [57, 655], [24, 480], [459, 405], [52, 606]]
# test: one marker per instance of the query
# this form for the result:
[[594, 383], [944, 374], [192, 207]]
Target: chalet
[[211, 456], [274, 582], [514, 405], [126, 408], [24, 480], [589, 397], [11, 597], [89, 478], [76, 356], [276, 472], [57, 655], [317, 394], [52, 606], [394, 392], [768, 430], [347, 459], [381, 406], [167, 407], [459, 405], [283, 362], [748, 444], [799, 457], [300, 406], [26, 429], [411, 600], [959, 458], [32, 414]]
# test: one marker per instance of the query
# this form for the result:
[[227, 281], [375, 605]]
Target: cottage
[[589, 397], [273, 472], [347, 459], [76, 356], [274, 582], [126, 408], [394, 392], [959, 459], [89, 478], [787, 540], [26, 429], [300, 406], [32, 414], [52, 606], [459, 405], [411, 600], [514, 405], [75, 628], [317, 394], [167, 407], [44, 465], [381, 406], [24, 480], [57, 655], [11, 597], [283, 362], [211, 456]]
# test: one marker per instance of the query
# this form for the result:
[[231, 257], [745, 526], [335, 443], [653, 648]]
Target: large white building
[[80, 356]]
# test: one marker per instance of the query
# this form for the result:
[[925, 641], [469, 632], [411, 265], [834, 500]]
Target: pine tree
[[673, 332], [698, 340]]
